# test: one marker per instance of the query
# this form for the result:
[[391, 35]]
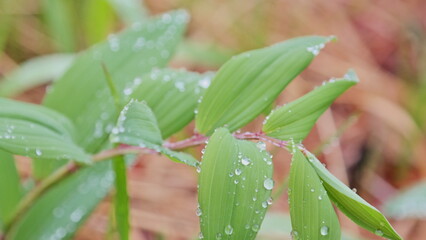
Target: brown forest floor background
[[382, 148]]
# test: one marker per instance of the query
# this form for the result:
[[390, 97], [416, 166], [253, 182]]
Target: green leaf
[[121, 203], [249, 82], [356, 208], [59, 212], [37, 114], [173, 96], [137, 126], [235, 185], [30, 139], [82, 95], [60, 23], [98, 20], [312, 215], [296, 119], [34, 72], [127, 55], [408, 204], [130, 11], [10, 187], [38, 132]]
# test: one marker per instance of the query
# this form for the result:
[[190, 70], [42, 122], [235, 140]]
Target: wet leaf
[[356, 208], [296, 119], [235, 185], [245, 85], [312, 215]]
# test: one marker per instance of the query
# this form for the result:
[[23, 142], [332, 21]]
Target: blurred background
[[373, 138]]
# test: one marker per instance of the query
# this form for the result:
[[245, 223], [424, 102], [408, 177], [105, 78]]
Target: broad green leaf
[[27, 138], [235, 185], [82, 93], [59, 212], [37, 114], [312, 215], [408, 204], [137, 126], [59, 20], [356, 208], [34, 72], [172, 95], [98, 20], [296, 119], [130, 11], [10, 187], [121, 201], [249, 82]]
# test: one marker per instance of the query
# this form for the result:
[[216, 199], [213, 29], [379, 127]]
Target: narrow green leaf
[[249, 82], [235, 185], [60, 23], [312, 215], [137, 126], [356, 208], [59, 212], [130, 11], [98, 20], [296, 119], [408, 204], [121, 204], [34, 72], [37, 114], [30, 139], [127, 55], [173, 96], [10, 187]]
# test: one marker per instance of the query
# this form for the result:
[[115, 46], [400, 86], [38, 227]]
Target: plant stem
[[72, 167]]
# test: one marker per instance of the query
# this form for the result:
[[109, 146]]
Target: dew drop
[[255, 228], [324, 231], [378, 232], [198, 212], [238, 172], [261, 145], [265, 204], [268, 184], [219, 236], [200, 235], [229, 230], [38, 152], [245, 161]]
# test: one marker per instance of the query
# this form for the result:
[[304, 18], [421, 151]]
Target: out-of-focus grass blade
[[99, 20], [121, 203], [59, 19], [205, 54], [172, 94], [252, 80], [93, 113], [60, 211], [34, 72], [137, 126], [10, 187], [126, 56], [296, 119], [130, 11], [408, 204], [356, 208], [234, 187], [312, 215]]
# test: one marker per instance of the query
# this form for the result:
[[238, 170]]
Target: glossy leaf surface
[[245, 85]]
